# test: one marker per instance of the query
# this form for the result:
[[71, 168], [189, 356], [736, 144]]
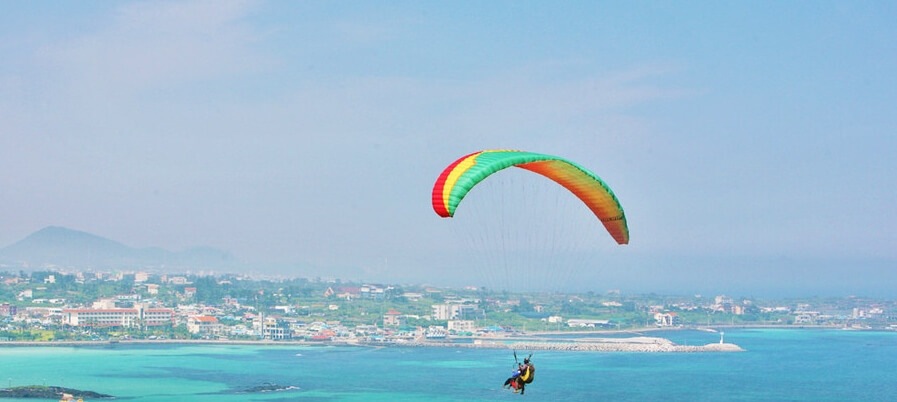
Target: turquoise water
[[780, 365]]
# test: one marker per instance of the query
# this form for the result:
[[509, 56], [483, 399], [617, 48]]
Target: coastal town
[[56, 306]]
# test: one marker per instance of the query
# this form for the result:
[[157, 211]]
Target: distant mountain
[[66, 247]]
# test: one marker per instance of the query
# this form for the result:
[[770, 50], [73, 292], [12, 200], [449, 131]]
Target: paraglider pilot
[[524, 375]]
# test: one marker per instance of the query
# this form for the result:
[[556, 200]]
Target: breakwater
[[660, 345], [635, 344], [632, 344]]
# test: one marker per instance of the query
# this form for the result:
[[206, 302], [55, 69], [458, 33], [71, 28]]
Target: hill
[[54, 245]]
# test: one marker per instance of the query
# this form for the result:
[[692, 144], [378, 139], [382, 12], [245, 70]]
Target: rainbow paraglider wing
[[462, 175]]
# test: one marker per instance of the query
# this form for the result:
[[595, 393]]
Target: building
[[582, 323], [436, 332], [153, 317], [373, 292], [443, 311], [178, 280], [392, 318], [348, 292], [413, 297], [141, 277], [666, 319], [276, 329], [455, 311], [12, 281], [806, 317], [117, 317], [7, 310], [462, 326], [286, 309], [152, 288], [104, 304], [204, 325]]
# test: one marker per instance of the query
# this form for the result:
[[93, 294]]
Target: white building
[[375, 292], [157, 316], [104, 304], [443, 311], [436, 332], [413, 296], [462, 326], [276, 329], [583, 323], [807, 317], [117, 317], [177, 280], [666, 319], [453, 311]]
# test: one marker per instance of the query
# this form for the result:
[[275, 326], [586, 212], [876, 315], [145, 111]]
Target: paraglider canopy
[[462, 175]]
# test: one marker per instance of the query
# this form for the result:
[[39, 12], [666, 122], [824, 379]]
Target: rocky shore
[[48, 392]]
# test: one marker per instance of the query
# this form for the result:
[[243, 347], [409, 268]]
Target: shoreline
[[632, 344], [530, 340], [618, 345]]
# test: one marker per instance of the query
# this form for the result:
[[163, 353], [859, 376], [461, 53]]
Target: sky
[[752, 145]]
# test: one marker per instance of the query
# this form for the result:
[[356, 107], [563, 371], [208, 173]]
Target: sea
[[777, 365]]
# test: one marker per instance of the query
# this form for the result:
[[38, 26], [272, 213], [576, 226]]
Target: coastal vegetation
[[48, 392]]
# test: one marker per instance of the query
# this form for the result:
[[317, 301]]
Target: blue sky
[[751, 144]]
